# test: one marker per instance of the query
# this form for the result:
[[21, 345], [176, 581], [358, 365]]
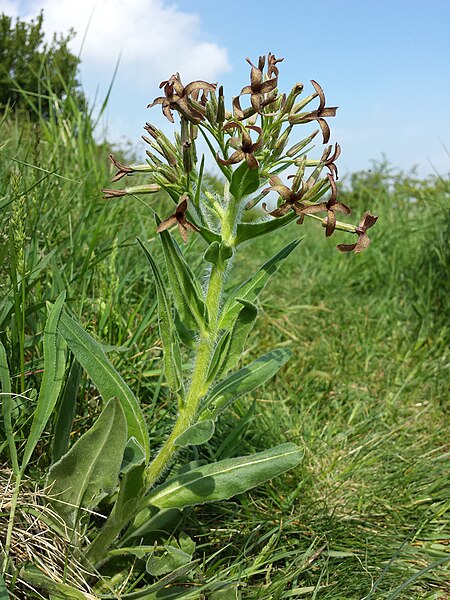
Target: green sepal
[[225, 479], [243, 381], [244, 181], [186, 290], [250, 290], [229, 349], [196, 434], [167, 330]]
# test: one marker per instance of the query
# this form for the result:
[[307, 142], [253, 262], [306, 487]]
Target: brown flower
[[122, 170], [367, 221], [183, 98], [290, 197], [331, 207], [258, 87], [113, 193], [329, 161], [317, 115], [179, 218], [244, 147]]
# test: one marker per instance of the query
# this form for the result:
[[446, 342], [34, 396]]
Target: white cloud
[[153, 38], [9, 7]]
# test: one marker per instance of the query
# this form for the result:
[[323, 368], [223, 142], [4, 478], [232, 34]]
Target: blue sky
[[385, 63]]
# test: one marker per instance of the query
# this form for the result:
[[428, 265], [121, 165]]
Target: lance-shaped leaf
[[225, 479], [54, 367], [250, 290], [248, 231], [130, 491], [36, 579], [107, 380], [196, 434], [66, 411], [243, 381], [186, 290], [244, 181], [229, 349], [167, 329], [91, 467]]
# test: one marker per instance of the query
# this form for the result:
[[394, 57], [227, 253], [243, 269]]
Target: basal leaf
[[243, 381], [107, 380], [225, 479], [165, 559], [196, 434], [38, 580], [52, 380], [186, 290], [3, 591], [167, 330], [91, 467], [250, 290]]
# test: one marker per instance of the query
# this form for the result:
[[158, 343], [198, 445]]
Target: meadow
[[365, 394]]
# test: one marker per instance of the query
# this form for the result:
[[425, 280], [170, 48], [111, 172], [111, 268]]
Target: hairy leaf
[[109, 383], [66, 411], [243, 381], [229, 349], [224, 479], [186, 290], [196, 434], [167, 330], [250, 290], [91, 467], [244, 181]]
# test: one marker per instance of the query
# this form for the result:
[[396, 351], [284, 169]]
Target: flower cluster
[[255, 137]]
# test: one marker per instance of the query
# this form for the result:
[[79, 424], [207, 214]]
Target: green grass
[[366, 515]]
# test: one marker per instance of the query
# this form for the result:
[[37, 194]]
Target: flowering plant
[[251, 147]]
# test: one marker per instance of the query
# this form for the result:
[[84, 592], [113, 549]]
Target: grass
[[366, 515]]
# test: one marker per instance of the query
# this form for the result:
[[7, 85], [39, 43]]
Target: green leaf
[[250, 290], [243, 381], [244, 181], [225, 479], [61, 590], [107, 380], [3, 591], [196, 434], [133, 455], [218, 252], [66, 411], [229, 349], [52, 380], [167, 330], [186, 290], [91, 467], [8, 407], [165, 559], [249, 231], [130, 492]]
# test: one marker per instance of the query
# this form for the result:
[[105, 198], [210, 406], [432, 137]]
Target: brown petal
[[346, 247], [330, 225], [320, 93], [343, 208], [362, 243], [325, 130], [166, 223], [251, 161], [315, 208], [199, 85], [278, 212], [234, 158], [113, 193]]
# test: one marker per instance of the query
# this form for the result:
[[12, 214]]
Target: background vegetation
[[366, 515]]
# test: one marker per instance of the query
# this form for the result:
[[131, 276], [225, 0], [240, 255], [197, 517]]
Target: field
[[365, 394]]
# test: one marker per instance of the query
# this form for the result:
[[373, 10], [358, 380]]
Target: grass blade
[[54, 367]]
